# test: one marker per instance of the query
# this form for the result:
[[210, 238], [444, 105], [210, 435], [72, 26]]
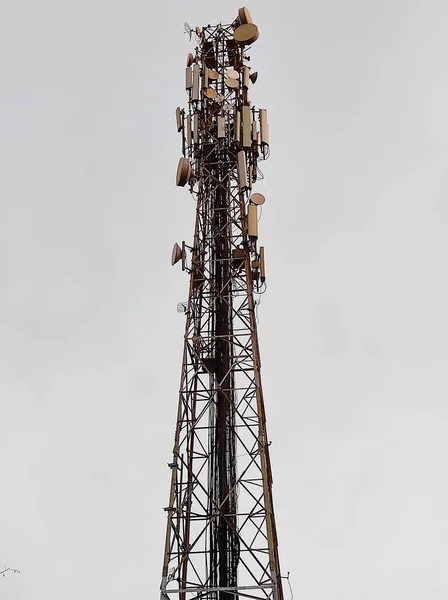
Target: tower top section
[[218, 81], [245, 30], [224, 136]]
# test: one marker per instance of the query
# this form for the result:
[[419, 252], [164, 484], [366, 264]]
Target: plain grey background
[[353, 328]]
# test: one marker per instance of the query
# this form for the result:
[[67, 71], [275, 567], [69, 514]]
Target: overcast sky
[[353, 328]]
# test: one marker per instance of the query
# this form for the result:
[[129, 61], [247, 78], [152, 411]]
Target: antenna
[[176, 254], [257, 199], [188, 29], [182, 307]]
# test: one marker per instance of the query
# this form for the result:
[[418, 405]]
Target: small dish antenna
[[232, 74], [233, 84], [188, 29], [182, 307], [244, 16], [184, 172], [246, 34], [257, 199], [253, 76], [176, 254]]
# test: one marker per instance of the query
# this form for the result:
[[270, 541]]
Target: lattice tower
[[221, 540]]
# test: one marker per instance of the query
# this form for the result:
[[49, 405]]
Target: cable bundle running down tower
[[221, 540]]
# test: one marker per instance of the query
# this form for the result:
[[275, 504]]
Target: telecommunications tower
[[221, 541]]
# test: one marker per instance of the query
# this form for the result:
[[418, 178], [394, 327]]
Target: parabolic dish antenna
[[253, 76], [176, 254], [232, 74], [231, 83], [183, 173], [246, 34], [244, 16], [257, 199]]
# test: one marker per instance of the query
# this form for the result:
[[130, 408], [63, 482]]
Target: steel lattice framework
[[221, 539]]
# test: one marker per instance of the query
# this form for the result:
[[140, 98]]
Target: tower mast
[[221, 540]]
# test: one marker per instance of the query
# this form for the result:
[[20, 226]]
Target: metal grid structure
[[221, 540]]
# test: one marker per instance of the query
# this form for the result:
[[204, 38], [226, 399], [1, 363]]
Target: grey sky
[[353, 329]]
